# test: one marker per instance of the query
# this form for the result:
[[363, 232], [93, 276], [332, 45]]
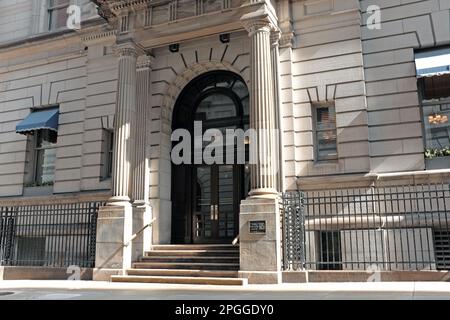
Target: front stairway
[[187, 264]]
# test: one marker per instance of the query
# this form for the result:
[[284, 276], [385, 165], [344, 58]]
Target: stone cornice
[[110, 9], [99, 36], [104, 9]]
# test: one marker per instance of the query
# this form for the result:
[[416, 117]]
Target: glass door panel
[[226, 201], [203, 203]]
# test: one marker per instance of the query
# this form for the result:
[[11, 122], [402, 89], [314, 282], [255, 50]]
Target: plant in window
[[436, 153]]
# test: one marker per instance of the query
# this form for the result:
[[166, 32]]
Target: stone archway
[[217, 100], [161, 199]]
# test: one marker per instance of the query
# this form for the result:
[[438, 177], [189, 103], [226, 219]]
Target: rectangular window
[[57, 14], [325, 132], [330, 251], [30, 251], [433, 72], [442, 249], [45, 155], [107, 154]]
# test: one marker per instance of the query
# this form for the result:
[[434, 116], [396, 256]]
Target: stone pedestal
[[142, 216], [260, 252], [114, 229]]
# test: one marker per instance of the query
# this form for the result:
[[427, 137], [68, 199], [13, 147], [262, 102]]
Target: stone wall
[[78, 78], [326, 65], [395, 124]]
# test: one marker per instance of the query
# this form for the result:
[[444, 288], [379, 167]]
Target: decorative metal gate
[[53, 235], [376, 228], [7, 226], [293, 226]]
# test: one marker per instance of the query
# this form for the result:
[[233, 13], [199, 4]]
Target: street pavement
[[94, 290]]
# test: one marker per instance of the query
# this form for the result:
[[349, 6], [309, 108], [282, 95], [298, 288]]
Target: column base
[[142, 216], [114, 230], [260, 250], [118, 201], [263, 193]]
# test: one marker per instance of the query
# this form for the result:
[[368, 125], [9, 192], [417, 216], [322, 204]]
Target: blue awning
[[433, 63], [44, 119]]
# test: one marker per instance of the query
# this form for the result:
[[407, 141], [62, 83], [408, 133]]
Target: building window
[[107, 154], [30, 251], [45, 151], [330, 251], [433, 72], [325, 131], [442, 249], [57, 14]]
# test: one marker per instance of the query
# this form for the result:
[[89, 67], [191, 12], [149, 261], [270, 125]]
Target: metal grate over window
[[442, 249]]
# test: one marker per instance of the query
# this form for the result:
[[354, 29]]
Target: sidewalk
[[21, 289]]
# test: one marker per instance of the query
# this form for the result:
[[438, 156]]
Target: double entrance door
[[218, 192]]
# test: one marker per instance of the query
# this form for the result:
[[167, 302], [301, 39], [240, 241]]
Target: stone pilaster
[[142, 212], [140, 192], [262, 113], [275, 58], [124, 120]]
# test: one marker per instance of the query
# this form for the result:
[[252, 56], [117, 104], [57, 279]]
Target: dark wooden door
[[217, 193]]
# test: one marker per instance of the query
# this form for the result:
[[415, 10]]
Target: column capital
[[145, 61], [275, 37], [263, 19], [127, 49], [257, 25]]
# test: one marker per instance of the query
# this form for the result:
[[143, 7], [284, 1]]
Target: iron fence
[[54, 235], [377, 228]]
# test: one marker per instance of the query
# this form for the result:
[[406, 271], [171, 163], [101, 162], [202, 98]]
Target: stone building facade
[[353, 104]]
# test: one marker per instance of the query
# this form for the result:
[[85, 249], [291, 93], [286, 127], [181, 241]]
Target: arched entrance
[[205, 195]]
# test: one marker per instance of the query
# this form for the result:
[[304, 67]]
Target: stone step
[[180, 280], [182, 273], [186, 265], [165, 247], [193, 259], [199, 253]]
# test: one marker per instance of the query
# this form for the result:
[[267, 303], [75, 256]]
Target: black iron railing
[[378, 228], [54, 235]]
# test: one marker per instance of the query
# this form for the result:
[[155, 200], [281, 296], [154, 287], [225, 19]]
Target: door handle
[[214, 212]]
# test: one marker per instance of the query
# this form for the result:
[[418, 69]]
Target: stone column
[[262, 113], [124, 121], [142, 213], [279, 145], [115, 220], [260, 259]]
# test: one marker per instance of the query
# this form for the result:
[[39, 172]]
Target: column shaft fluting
[[262, 117], [141, 166], [275, 57], [124, 120]]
